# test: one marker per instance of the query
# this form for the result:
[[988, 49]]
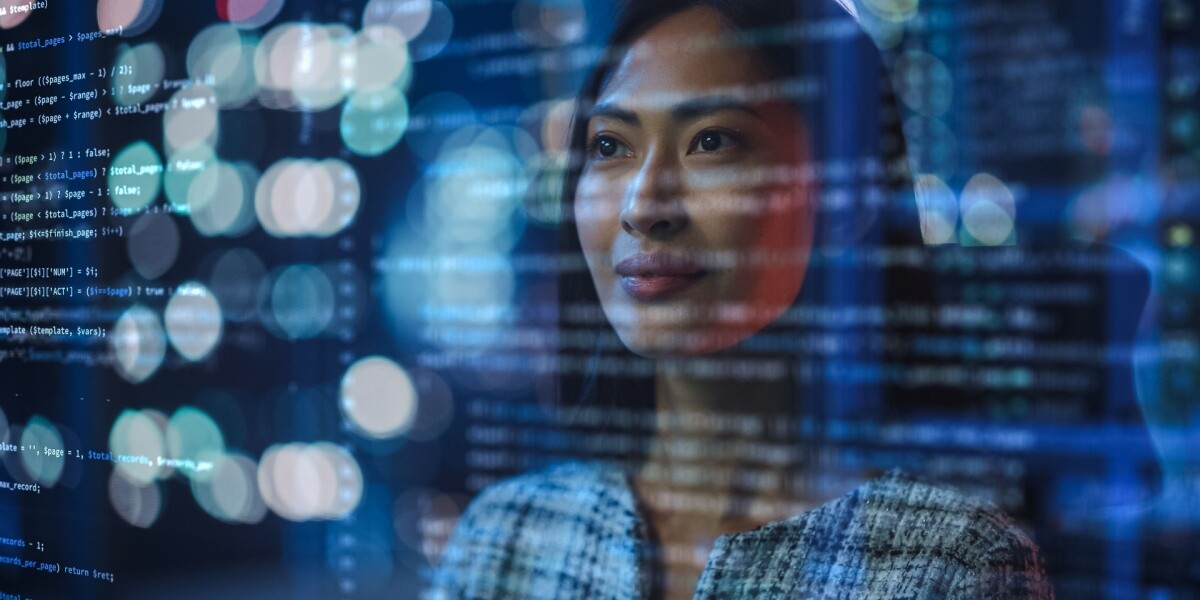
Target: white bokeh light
[[42, 451], [373, 121], [988, 209], [408, 17], [137, 504], [191, 119], [305, 482], [138, 343], [380, 59], [378, 398], [193, 320], [225, 55], [193, 436], [231, 494], [137, 433], [304, 197], [226, 209]]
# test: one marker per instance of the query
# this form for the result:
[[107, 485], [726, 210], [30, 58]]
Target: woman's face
[[690, 218]]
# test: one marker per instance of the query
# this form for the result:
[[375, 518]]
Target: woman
[[693, 198]]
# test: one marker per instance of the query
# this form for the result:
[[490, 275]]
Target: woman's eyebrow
[[614, 111], [692, 109], [686, 110]]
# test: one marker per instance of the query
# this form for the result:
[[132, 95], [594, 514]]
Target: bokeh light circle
[[435, 36], [224, 56], [249, 14], [348, 477], [472, 201], [303, 482], [135, 176], [264, 194], [191, 119], [193, 320], [220, 197], [137, 74], [408, 17], [380, 59], [231, 494], [128, 17], [236, 278], [923, 82], [347, 193], [373, 122], [153, 244], [184, 166], [336, 79], [988, 209], [192, 435], [138, 343], [11, 17], [894, 11], [302, 301], [137, 504], [305, 66], [302, 198], [135, 433], [42, 451], [435, 406], [378, 398]]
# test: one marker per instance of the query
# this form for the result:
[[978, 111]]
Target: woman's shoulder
[[933, 513], [571, 524], [990, 555], [559, 497], [891, 534]]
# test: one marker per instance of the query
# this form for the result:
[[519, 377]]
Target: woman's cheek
[[707, 179], [595, 221], [594, 218], [595, 202]]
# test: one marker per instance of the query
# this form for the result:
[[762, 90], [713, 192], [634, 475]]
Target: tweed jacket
[[573, 531]]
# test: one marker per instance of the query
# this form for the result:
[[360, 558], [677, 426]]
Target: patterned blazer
[[573, 531]]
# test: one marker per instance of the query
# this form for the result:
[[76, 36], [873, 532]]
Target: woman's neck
[[723, 450], [719, 462]]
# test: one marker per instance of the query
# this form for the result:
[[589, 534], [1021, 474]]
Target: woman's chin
[[677, 342]]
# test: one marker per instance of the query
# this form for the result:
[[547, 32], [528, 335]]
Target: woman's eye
[[712, 141], [607, 146]]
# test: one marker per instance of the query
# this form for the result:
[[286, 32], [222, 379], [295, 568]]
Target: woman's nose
[[653, 204]]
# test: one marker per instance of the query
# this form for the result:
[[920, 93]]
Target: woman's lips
[[650, 289], [650, 277]]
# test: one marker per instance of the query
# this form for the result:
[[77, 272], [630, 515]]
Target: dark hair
[[797, 42]]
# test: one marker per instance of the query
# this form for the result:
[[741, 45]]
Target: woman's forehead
[[690, 53]]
